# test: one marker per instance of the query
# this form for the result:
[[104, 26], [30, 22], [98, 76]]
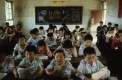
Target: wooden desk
[[2, 75]]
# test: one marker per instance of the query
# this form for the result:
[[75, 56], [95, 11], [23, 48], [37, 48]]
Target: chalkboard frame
[[57, 15]]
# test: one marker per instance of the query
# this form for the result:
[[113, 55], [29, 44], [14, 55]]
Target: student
[[8, 65], [33, 38], [51, 41], [68, 35], [90, 65], [43, 49], [2, 36], [41, 31], [59, 67], [68, 49], [37, 31], [18, 29], [81, 39], [109, 25], [10, 32], [88, 43], [76, 31], [31, 67], [18, 52]]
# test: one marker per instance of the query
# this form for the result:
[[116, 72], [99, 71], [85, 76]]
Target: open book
[[99, 74]]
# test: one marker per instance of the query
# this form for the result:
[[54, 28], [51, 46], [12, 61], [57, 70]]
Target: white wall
[[112, 12], [2, 13], [26, 12]]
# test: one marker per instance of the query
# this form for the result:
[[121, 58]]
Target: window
[[8, 12]]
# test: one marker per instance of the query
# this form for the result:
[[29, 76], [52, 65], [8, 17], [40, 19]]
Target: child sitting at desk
[[18, 52], [59, 68], [68, 49], [51, 41], [88, 43], [31, 67], [89, 66], [43, 49]]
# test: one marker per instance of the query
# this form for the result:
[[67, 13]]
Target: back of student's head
[[32, 32], [89, 51], [41, 43], [88, 37], [59, 51], [50, 34], [67, 44], [41, 28], [101, 22], [31, 48]]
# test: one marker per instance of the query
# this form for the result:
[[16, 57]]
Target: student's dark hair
[[67, 44], [109, 23], [1, 28], [89, 50], [88, 37], [59, 51], [41, 43], [101, 21], [31, 48], [120, 31], [36, 30], [104, 26], [81, 29], [116, 25], [50, 34], [21, 36], [77, 27], [32, 32], [41, 27], [67, 32]]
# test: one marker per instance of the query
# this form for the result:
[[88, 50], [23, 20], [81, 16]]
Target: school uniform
[[19, 50], [86, 68], [83, 46], [67, 53], [29, 67], [51, 42], [53, 64]]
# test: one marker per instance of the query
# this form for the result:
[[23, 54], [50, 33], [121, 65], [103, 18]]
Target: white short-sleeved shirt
[[54, 63], [86, 68], [37, 63], [67, 53], [83, 46], [19, 49]]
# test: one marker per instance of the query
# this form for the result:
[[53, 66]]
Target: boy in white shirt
[[90, 65]]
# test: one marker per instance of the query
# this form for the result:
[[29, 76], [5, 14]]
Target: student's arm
[[39, 71], [29, 41], [98, 53], [49, 53], [75, 54], [15, 52], [81, 50], [50, 69], [21, 65], [79, 71]]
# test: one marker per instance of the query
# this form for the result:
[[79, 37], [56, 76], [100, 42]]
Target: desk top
[[2, 75]]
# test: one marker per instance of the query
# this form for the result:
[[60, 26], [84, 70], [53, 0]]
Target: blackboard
[[58, 15]]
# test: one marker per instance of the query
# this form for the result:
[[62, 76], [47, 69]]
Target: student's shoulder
[[83, 61]]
